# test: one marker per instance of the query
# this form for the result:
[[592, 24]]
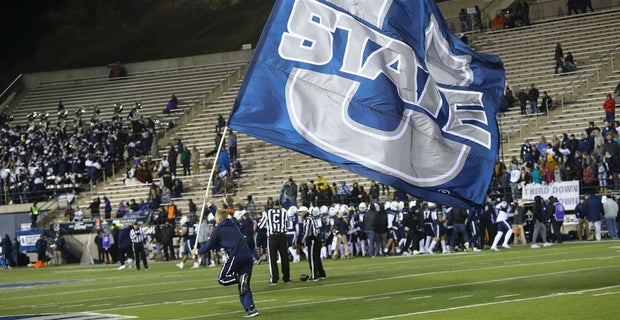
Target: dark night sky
[[22, 22]]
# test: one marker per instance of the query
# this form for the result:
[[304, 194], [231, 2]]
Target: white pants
[[597, 229]]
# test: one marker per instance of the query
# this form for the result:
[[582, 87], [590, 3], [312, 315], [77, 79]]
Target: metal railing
[[13, 88]]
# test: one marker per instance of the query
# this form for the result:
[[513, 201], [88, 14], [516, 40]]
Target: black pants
[[314, 258], [557, 227], [168, 251], [139, 253], [277, 244], [412, 242]]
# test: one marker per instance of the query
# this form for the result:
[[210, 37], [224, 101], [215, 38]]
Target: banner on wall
[[28, 239], [567, 192]]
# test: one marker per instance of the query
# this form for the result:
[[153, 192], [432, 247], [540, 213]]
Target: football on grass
[[304, 277]]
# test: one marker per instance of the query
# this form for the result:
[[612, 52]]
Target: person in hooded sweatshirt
[[238, 268]]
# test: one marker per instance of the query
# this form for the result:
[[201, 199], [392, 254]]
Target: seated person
[[122, 209], [133, 206], [237, 168], [569, 63], [171, 105], [221, 123], [70, 213], [499, 21], [79, 214]]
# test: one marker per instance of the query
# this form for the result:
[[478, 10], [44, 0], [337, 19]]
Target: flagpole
[[206, 196]]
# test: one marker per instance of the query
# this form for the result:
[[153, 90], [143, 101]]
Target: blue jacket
[[226, 235], [593, 208], [123, 238], [246, 226]]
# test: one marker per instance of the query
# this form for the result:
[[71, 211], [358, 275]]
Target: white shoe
[[494, 249], [534, 246], [122, 267], [180, 265], [406, 254], [476, 249], [445, 251], [212, 264], [547, 244], [506, 246], [196, 265], [416, 252]]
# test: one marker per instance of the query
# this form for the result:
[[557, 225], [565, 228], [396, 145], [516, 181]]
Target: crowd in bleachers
[[593, 158], [41, 158]]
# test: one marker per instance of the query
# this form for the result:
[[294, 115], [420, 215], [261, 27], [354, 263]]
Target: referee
[[310, 236], [275, 221], [137, 242]]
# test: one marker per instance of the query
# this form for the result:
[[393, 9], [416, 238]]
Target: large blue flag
[[380, 88]]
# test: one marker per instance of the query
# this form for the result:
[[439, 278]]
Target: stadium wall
[[32, 79]]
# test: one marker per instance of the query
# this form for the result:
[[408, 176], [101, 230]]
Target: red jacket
[[609, 105]]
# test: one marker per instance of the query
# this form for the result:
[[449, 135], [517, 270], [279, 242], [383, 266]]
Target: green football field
[[575, 280]]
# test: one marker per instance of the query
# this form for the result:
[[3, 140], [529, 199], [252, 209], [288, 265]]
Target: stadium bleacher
[[527, 54]]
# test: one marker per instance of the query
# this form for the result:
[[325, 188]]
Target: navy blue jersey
[[189, 233], [226, 235]]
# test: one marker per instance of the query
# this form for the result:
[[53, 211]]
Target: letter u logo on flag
[[380, 88]]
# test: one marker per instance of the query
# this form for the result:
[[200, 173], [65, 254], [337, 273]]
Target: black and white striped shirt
[[309, 229], [136, 236], [275, 221]]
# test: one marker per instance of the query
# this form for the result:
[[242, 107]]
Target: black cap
[[135, 223], [277, 203]]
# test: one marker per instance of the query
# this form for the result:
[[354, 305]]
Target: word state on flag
[[379, 88]]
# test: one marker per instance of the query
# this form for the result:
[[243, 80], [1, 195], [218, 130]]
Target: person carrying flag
[[238, 268]]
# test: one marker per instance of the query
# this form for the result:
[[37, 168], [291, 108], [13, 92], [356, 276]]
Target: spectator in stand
[[569, 63], [584, 5], [107, 208], [465, 20], [610, 108], [195, 159], [221, 123], [532, 96], [116, 70], [232, 145], [572, 6], [509, 99], [172, 160], [610, 145], [122, 209], [291, 192], [612, 164], [572, 143], [559, 57], [186, 157], [79, 214], [499, 21], [171, 105], [95, 211], [546, 103]]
